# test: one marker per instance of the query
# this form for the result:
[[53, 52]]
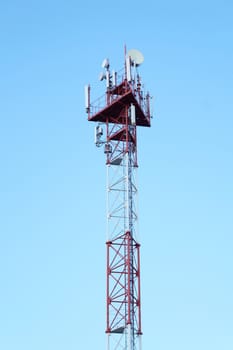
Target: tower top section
[[124, 91]]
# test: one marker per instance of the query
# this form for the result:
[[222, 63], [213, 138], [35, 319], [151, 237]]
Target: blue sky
[[52, 179]]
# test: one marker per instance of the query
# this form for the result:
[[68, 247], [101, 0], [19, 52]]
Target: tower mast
[[124, 107]]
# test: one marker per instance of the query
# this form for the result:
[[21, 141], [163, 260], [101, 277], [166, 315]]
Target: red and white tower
[[119, 112]]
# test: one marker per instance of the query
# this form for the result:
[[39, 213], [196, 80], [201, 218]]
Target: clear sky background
[[52, 178]]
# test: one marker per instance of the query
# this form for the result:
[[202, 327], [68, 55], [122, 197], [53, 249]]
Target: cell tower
[[123, 107]]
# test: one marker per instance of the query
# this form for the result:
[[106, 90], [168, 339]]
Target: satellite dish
[[136, 57], [102, 76], [105, 63]]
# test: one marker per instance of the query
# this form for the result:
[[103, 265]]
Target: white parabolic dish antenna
[[136, 56]]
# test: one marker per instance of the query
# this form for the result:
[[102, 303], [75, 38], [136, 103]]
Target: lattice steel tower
[[123, 107]]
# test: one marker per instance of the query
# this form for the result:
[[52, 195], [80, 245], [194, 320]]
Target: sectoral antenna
[[98, 133], [87, 98], [132, 114]]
